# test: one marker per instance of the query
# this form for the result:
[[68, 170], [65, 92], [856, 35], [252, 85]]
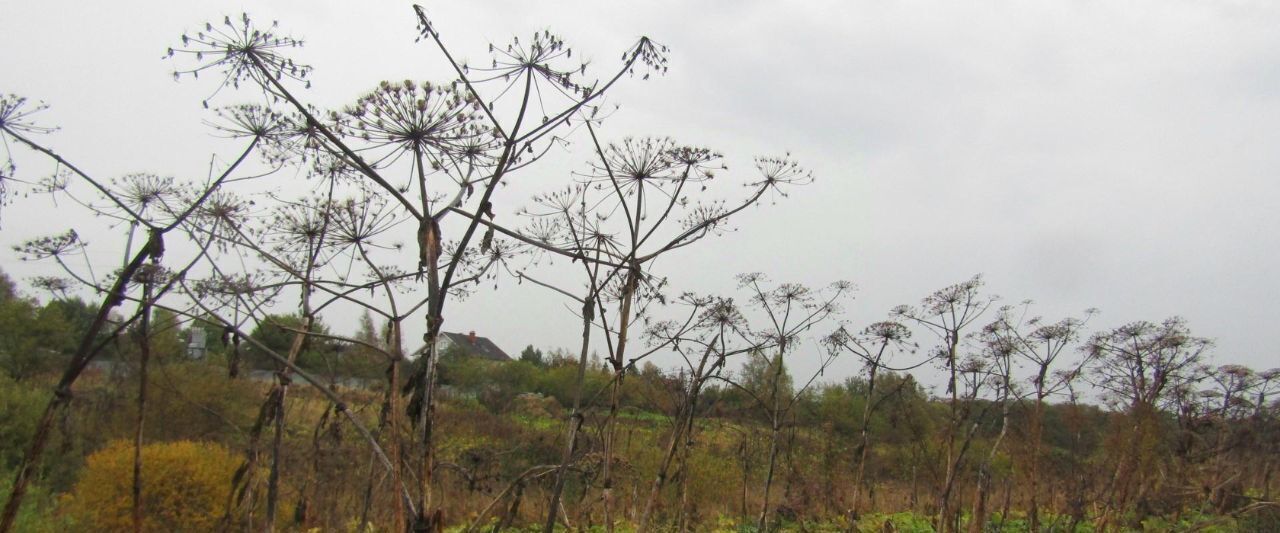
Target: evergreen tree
[[32, 339], [532, 355]]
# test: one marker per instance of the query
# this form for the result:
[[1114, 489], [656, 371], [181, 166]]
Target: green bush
[[38, 513], [21, 405]]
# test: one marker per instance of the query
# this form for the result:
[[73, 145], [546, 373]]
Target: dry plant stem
[[681, 432], [437, 292], [367, 503], [144, 350], [1037, 435], [530, 473], [393, 416], [510, 515], [659, 479], [977, 524], [394, 409], [615, 395], [1118, 488], [314, 246], [775, 428], [944, 496], [426, 416], [277, 437], [864, 440], [575, 416], [683, 470], [947, 514], [242, 483], [336, 294], [575, 420]]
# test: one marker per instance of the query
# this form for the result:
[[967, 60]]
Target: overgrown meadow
[[248, 364]]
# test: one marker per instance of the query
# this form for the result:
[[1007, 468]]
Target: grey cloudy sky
[[1119, 155]]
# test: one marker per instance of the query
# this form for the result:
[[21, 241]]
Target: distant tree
[[367, 360], [32, 337], [532, 355], [8, 290], [78, 314], [168, 337], [276, 332], [760, 374], [20, 409]]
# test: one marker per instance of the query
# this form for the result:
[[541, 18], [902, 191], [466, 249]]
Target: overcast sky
[[1118, 155]]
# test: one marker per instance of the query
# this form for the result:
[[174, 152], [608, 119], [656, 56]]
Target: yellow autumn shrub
[[184, 487]]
